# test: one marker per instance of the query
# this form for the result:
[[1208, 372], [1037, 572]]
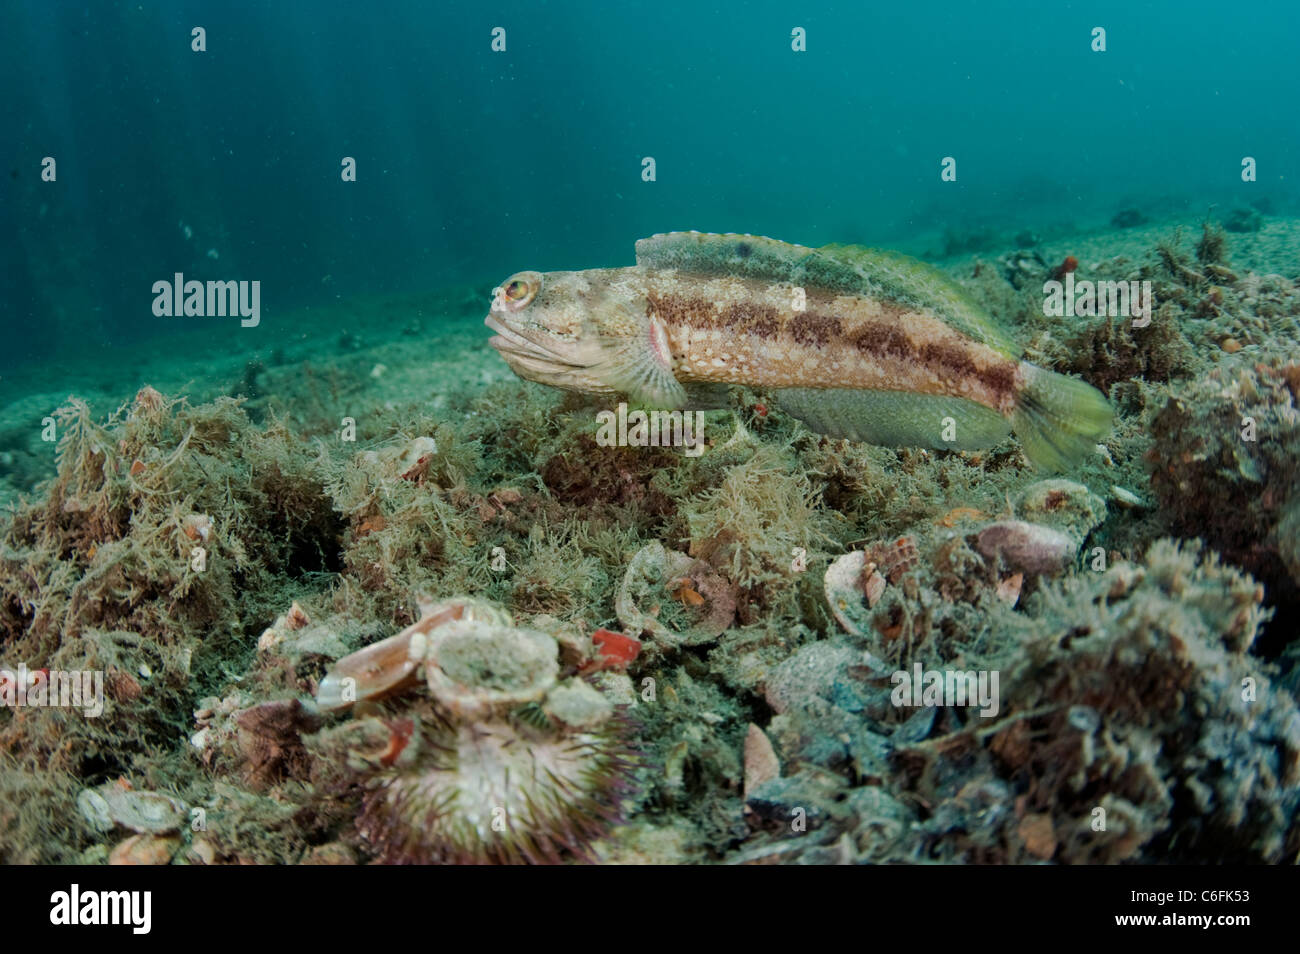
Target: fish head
[[559, 328]]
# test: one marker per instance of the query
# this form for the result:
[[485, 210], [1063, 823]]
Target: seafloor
[[1140, 613]]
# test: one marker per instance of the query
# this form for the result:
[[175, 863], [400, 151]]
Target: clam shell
[[392, 665]]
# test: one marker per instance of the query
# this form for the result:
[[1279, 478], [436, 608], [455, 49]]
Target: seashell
[[657, 573], [761, 763], [391, 665], [378, 670], [145, 812], [843, 584], [1027, 547], [475, 669], [145, 850]]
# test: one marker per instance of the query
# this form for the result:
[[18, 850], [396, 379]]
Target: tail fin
[[1059, 419]]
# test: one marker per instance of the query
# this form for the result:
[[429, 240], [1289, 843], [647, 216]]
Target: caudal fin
[[1059, 419]]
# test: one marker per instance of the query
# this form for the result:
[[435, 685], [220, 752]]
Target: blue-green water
[[232, 521], [472, 163]]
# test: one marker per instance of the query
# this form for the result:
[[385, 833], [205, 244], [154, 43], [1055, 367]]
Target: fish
[[863, 344]]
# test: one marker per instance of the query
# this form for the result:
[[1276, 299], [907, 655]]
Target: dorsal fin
[[706, 253], [844, 269]]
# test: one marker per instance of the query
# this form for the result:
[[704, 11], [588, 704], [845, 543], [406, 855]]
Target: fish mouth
[[521, 352]]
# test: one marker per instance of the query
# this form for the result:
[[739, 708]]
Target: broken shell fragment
[[1126, 498], [577, 705], [1027, 547], [392, 665], [761, 763], [1008, 590], [875, 587], [145, 850], [844, 592], [409, 461], [291, 621], [612, 651], [296, 618], [197, 526]]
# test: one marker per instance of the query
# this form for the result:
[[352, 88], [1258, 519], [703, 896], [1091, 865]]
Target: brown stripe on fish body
[[723, 329], [745, 331]]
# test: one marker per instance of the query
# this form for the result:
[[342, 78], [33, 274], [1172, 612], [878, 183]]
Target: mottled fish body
[[857, 343]]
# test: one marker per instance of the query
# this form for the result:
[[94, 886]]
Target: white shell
[[844, 595]]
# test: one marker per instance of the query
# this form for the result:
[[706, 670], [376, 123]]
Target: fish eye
[[518, 290]]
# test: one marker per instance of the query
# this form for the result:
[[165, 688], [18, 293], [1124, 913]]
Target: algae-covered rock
[[1062, 505], [1223, 465], [1150, 716]]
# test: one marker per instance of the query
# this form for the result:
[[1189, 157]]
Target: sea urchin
[[500, 761], [497, 792]]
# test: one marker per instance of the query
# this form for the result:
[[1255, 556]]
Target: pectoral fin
[[642, 368]]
